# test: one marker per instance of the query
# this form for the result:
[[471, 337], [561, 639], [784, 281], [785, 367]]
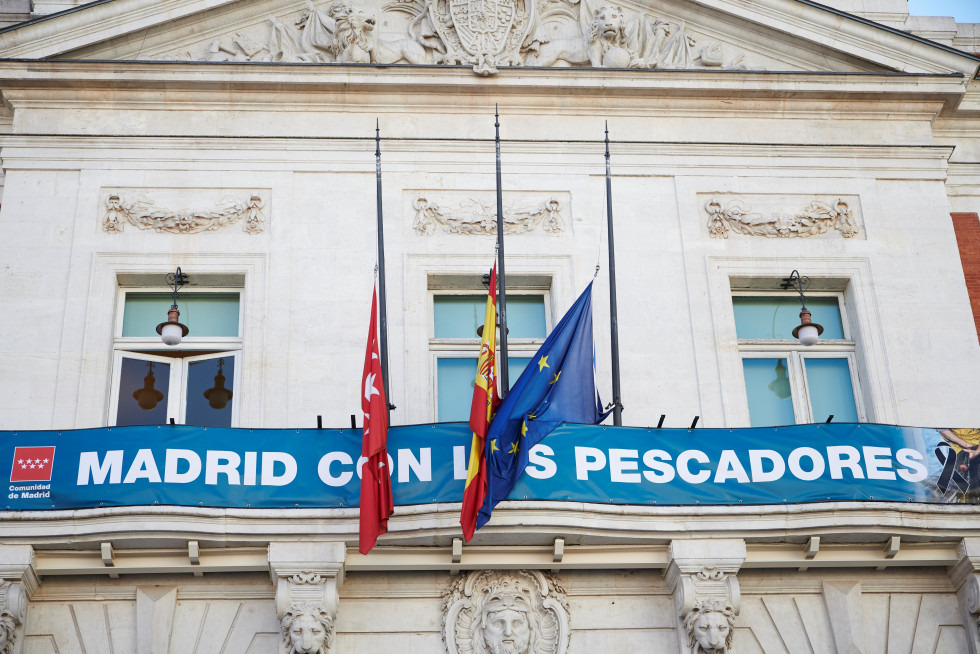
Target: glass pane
[[525, 316], [768, 390], [776, 316], [831, 393], [455, 381], [143, 388], [458, 316], [209, 392], [205, 314]]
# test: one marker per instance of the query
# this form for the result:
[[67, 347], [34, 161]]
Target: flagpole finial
[[596, 275], [377, 138]]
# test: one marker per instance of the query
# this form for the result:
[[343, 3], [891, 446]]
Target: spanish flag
[[485, 401]]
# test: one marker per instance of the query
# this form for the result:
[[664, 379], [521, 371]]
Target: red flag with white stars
[[376, 502], [32, 463]]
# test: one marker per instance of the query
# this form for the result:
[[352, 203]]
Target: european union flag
[[557, 386]]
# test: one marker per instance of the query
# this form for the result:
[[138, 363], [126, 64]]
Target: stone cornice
[[524, 523]]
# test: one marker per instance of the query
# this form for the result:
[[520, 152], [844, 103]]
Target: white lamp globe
[[173, 332], [808, 335]]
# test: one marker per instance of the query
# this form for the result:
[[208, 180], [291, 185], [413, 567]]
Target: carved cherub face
[[711, 631], [507, 632], [307, 635]]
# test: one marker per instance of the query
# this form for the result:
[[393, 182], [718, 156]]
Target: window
[[455, 343], [192, 383], [785, 382]]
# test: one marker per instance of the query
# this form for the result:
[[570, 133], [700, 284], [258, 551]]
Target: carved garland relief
[[482, 33], [737, 216], [145, 214], [519, 612], [477, 214]]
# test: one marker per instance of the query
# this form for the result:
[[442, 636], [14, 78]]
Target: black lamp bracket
[[176, 281]]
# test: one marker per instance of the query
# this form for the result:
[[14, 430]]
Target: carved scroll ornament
[[485, 34], [815, 218], [520, 612], [146, 215], [479, 216]]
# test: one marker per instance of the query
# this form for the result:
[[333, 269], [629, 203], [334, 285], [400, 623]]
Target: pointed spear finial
[[377, 138]]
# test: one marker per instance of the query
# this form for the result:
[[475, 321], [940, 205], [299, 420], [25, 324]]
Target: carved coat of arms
[[485, 33]]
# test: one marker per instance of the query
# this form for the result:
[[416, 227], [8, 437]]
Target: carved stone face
[[507, 632], [711, 631], [360, 19], [307, 635], [609, 23]]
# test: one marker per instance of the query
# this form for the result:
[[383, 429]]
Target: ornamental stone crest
[[145, 214], [518, 612], [484, 33], [816, 218]]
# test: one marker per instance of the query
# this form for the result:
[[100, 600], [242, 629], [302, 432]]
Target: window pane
[[456, 378], [777, 316], [205, 314], [831, 393], [769, 395], [525, 316], [458, 316], [210, 391], [143, 388]]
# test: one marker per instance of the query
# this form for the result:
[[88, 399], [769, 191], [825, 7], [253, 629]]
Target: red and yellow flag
[[485, 401]]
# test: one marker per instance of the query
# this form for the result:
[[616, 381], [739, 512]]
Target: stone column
[[307, 577], [702, 576], [965, 576], [18, 584]]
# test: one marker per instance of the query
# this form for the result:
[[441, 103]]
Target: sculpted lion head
[[710, 627], [609, 27], [307, 629], [354, 24]]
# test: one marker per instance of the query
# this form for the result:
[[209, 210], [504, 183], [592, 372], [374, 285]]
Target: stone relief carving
[[481, 33], [307, 629], [476, 215], [818, 217], [519, 612], [710, 627], [13, 607], [144, 214]]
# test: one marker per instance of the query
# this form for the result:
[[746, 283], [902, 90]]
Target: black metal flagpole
[[502, 276], [382, 300], [613, 314]]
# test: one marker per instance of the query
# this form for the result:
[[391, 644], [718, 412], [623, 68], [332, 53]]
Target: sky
[[964, 11]]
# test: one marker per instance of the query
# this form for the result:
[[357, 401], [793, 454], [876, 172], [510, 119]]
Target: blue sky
[[964, 11]]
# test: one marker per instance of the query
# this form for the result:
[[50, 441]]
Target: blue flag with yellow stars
[[557, 386]]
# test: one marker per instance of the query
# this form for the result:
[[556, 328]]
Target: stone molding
[[476, 213], [470, 601], [735, 214], [145, 214], [307, 577], [701, 574]]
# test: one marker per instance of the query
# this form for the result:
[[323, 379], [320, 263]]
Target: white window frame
[[469, 348], [179, 358], [796, 355]]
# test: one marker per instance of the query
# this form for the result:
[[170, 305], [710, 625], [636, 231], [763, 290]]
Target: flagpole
[[502, 276], [383, 309], [613, 314]]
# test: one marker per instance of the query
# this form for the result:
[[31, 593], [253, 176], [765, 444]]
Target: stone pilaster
[[18, 584], [307, 577], [701, 574], [965, 576]]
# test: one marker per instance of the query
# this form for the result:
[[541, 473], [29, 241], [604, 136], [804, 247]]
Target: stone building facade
[[236, 140]]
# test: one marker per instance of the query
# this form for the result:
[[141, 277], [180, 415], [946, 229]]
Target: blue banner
[[287, 468]]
